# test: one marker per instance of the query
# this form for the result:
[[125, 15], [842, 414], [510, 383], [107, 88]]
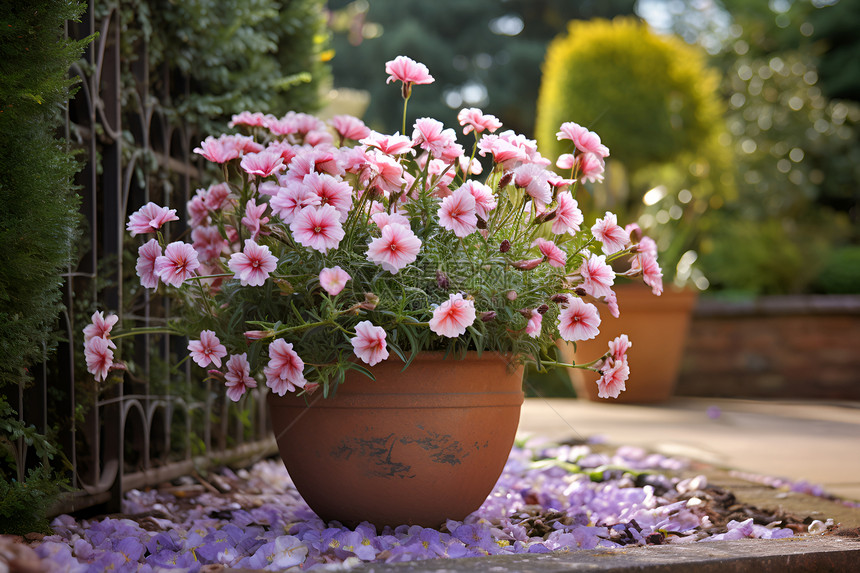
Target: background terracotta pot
[[657, 326], [412, 447]]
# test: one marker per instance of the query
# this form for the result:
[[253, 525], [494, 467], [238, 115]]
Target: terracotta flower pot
[[657, 326], [412, 447]]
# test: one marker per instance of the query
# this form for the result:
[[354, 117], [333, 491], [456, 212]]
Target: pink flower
[[429, 134], [389, 144], [207, 350], [451, 318], [369, 343], [534, 324], [208, 243], [578, 320], [149, 219], [612, 380], [349, 127], [608, 232], [651, 273], [408, 71], [253, 218], [504, 152], [382, 172], [284, 373], [99, 357], [457, 212], [318, 228], [568, 217], [591, 167], [331, 191], [197, 212], [217, 150], [145, 267], [247, 118], [100, 327], [238, 377], [216, 196], [474, 119], [397, 247], [619, 346], [177, 264], [290, 200], [485, 201], [535, 180], [382, 219], [333, 280], [565, 161], [554, 255], [264, 163], [612, 303], [597, 276], [253, 264], [584, 140]]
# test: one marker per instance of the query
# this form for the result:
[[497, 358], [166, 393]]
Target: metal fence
[[154, 422]]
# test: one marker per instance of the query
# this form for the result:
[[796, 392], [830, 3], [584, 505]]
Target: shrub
[[656, 105], [650, 97], [38, 220]]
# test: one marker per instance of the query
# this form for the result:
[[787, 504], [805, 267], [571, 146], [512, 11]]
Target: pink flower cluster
[[306, 189], [98, 347]]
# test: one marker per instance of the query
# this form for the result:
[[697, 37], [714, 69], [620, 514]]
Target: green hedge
[[38, 213]]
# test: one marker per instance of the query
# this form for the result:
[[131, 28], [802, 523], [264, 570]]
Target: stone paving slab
[[813, 441], [802, 554]]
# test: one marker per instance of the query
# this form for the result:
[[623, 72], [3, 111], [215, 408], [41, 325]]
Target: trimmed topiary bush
[[650, 97]]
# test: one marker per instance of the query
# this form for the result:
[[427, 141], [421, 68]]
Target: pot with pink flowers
[[387, 291]]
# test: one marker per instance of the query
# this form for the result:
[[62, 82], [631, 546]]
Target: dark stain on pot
[[377, 452], [443, 449]]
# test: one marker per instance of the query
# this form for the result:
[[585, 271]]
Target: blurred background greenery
[[750, 180]]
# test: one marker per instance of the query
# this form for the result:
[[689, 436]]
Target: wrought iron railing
[[154, 422]]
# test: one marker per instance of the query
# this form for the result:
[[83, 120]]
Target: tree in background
[[482, 53], [792, 90]]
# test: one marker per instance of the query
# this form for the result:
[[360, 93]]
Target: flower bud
[[505, 246], [526, 312], [580, 292], [285, 286], [481, 223], [442, 280], [370, 301], [526, 264], [559, 298], [258, 334], [543, 308], [511, 295], [506, 180], [488, 316]]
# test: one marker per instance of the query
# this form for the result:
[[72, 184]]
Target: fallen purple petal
[[549, 497]]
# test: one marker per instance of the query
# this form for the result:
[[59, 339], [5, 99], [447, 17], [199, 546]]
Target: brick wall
[[787, 347]]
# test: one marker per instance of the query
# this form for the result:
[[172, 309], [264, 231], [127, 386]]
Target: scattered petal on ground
[[549, 497]]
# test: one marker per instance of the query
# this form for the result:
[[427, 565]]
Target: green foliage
[[24, 505], [38, 220], [237, 55], [840, 272], [649, 97], [797, 158], [496, 49]]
